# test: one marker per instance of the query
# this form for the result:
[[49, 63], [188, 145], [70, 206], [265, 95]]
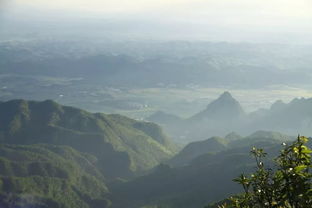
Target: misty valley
[[155, 104], [92, 129]]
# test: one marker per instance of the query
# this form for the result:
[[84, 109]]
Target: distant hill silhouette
[[225, 115], [292, 118], [220, 117], [164, 118], [222, 109]]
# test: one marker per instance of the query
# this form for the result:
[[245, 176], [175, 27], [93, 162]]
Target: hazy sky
[[240, 8], [293, 17]]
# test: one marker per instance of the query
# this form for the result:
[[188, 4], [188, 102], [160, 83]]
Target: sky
[[291, 18]]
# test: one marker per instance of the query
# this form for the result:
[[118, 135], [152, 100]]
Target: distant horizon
[[218, 21]]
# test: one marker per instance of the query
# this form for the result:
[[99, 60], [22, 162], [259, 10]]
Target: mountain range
[[225, 115], [200, 174], [123, 146], [140, 63], [60, 156]]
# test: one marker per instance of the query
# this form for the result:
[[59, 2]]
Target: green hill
[[233, 136], [198, 180], [194, 149], [217, 144], [261, 137], [44, 176], [123, 146]]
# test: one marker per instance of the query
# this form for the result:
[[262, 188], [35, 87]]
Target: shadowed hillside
[[202, 173]]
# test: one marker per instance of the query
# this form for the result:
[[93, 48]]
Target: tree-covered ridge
[[49, 176], [45, 145], [123, 146], [218, 144], [204, 177]]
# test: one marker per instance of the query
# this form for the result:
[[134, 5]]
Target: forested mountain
[[69, 157], [197, 179], [155, 103], [44, 176], [194, 149], [123, 146], [218, 144], [59, 156]]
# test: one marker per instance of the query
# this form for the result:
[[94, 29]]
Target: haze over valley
[[152, 104]]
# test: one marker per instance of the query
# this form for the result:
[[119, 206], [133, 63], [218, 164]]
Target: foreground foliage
[[288, 185]]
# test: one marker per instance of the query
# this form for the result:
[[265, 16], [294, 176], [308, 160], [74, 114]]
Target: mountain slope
[[223, 108], [292, 118], [220, 117], [49, 176], [261, 137], [164, 118], [214, 145], [205, 179], [194, 149], [233, 136], [123, 146]]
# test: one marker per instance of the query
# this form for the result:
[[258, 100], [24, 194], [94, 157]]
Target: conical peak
[[225, 107], [225, 104], [226, 95]]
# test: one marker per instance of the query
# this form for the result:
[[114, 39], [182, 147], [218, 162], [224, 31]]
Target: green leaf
[[300, 168]]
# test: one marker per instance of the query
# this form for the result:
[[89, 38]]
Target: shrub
[[286, 186]]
